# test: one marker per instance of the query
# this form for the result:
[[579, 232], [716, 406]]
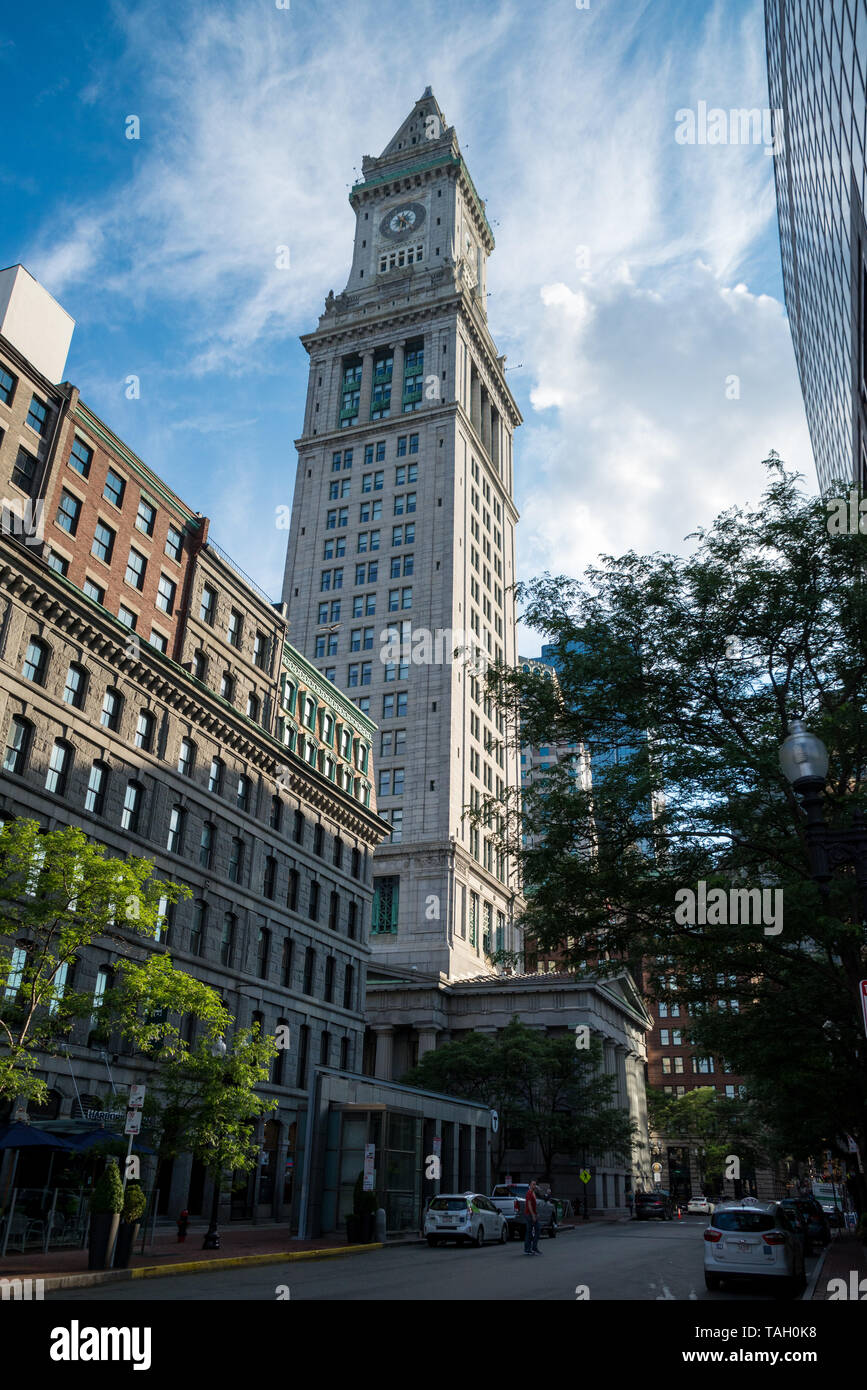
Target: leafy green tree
[[60, 893], [537, 1082], [679, 675], [719, 1125]]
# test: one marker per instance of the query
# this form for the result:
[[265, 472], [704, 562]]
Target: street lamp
[[212, 1235], [804, 761]]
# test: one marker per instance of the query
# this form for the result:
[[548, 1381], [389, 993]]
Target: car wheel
[[432, 1241], [711, 1281], [504, 1234], [479, 1240]]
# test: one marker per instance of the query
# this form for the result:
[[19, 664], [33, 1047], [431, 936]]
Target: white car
[[469, 1218], [753, 1240], [700, 1204]]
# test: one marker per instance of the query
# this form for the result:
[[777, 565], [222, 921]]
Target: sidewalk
[[239, 1244], [845, 1255]]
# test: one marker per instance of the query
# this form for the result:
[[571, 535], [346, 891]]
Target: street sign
[[863, 991], [133, 1122], [495, 1121], [585, 1175], [368, 1185], [136, 1097]]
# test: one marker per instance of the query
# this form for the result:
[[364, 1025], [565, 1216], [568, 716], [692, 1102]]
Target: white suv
[[753, 1240], [465, 1217]]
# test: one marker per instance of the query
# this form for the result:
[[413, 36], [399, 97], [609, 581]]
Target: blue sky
[[633, 278]]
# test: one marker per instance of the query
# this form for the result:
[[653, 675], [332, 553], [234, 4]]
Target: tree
[[723, 1127], [679, 677], [537, 1082], [60, 893], [205, 1102]]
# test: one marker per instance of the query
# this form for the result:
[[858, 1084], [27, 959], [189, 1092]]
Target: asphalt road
[[639, 1260]]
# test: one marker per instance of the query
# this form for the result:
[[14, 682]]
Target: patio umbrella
[[20, 1136], [104, 1136]]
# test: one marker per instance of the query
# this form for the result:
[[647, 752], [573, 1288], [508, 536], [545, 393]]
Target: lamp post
[[804, 761], [212, 1235]]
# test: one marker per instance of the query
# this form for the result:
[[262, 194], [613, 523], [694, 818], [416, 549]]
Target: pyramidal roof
[[425, 122]]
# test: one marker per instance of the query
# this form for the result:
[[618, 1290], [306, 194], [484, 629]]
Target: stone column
[[620, 1062], [496, 431], [382, 1069], [427, 1037], [475, 400], [486, 423], [399, 350], [366, 386]]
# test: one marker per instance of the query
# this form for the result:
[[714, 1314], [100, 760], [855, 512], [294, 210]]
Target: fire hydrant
[[183, 1222]]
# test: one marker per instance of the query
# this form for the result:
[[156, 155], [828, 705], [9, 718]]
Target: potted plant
[[361, 1224], [106, 1204], [134, 1204]]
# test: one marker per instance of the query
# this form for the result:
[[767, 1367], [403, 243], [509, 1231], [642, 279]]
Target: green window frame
[[386, 902]]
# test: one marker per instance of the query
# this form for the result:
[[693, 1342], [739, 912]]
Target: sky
[[635, 286]]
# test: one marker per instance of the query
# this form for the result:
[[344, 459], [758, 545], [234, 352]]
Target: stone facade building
[[401, 546], [148, 695]]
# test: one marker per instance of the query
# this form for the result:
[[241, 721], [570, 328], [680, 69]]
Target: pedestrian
[[531, 1221], [630, 1200]]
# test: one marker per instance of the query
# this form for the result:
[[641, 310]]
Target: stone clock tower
[[401, 549]]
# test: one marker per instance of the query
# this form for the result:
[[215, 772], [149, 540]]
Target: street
[[642, 1261]]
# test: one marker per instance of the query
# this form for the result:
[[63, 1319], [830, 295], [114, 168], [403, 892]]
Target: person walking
[[531, 1221]]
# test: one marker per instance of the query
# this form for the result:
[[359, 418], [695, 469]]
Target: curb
[[119, 1276]]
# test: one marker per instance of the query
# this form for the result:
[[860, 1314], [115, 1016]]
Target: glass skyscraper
[[817, 70]]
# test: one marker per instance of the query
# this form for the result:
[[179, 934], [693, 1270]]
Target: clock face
[[403, 220]]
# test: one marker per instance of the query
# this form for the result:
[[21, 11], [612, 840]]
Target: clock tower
[[401, 555]]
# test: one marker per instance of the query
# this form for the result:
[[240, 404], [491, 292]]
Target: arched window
[[334, 911], [236, 860], [227, 939], [103, 982], [132, 805], [206, 845], [215, 776], [35, 666], [144, 732], [111, 708], [58, 768], [348, 977], [278, 1069], [97, 787], [243, 793], [187, 757], [76, 684], [175, 842], [269, 882], [17, 745], [263, 953], [198, 927]]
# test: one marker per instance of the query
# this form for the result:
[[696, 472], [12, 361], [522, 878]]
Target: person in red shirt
[[531, 1223]]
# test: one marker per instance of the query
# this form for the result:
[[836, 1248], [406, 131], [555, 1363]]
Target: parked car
[[829, 1197], [469, 1218], [700, 1204], [657, 1203], [508, 1198], [818, 1225], [754, 1240]]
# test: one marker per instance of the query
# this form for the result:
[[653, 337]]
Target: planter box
[[126, 1238], [103, 1228]]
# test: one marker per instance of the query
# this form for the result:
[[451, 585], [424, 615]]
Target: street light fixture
[[212, 1235], [804, 761]]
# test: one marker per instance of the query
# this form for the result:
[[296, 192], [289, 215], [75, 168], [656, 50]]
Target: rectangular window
[[114, 488], [24, 472], [174, 543], [146, 516], [37, 415], [68, 512], [166, 591], [103, 542], [7, 386], [127, 617], [57, 562], [135, 569], [208, 605], [81, 457], [386, 897], [235, 628], [159, 640]]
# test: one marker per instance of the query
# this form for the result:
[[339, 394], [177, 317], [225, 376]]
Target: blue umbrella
[[105, 1136], [21, 1136]]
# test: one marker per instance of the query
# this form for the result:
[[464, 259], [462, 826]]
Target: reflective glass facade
[[817, 68]]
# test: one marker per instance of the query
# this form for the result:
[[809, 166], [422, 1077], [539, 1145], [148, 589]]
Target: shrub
[[107, 1196]]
